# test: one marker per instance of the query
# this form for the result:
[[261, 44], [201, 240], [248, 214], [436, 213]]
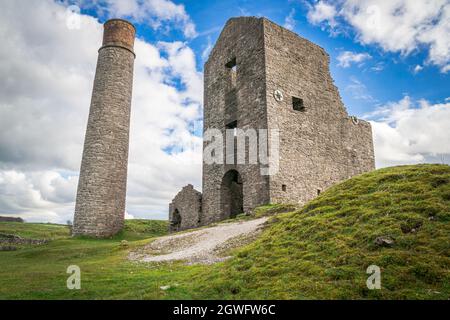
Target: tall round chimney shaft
[[100, 203]]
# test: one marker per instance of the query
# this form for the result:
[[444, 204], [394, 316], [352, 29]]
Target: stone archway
[[175, 223], [231, 195]]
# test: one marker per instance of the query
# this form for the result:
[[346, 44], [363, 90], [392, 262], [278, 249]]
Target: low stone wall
[[6, 238], [10, 219]]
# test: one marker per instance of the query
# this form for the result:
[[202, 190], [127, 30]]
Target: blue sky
[[362, 86], [390, 60]]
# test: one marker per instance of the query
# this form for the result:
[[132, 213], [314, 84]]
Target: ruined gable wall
[[314, 143], [188, 202], [358, 142]]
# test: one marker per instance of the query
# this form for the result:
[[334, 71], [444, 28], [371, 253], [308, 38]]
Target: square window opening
[[231, 64], [231, 125], [297, 104]]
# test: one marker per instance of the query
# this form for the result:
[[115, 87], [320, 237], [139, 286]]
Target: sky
[[390, 60]]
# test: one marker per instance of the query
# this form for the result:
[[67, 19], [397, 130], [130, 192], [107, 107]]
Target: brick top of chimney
[[119, 33]]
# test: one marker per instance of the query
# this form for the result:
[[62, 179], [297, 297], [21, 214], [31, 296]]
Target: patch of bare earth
[[205, 246]]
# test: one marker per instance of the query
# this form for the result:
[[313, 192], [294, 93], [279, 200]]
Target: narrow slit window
[[297, 104], [318, 192], [232, 70], [284, 187]]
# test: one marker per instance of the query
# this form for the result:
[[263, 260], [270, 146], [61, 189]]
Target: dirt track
[[199, 246]]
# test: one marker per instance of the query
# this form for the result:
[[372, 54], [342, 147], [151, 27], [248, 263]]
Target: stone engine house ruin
[[260, 75]]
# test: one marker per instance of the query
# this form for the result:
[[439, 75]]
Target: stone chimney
[[100, 203]]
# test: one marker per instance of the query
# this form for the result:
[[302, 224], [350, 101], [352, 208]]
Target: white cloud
[[417, 68], [37, 196], [207, 49], [358, 90], [379, 66], [181, 60], [407, 132], [289, 21], [396, 25], [156, 13], [48, 72], [129, 216], [346, 58], [322, 12]]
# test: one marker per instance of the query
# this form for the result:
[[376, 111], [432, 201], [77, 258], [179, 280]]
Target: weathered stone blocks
[[262, 76], [184, 211], [100, 203]]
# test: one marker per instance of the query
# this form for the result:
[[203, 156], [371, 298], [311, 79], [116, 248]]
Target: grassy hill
[[324, 249], [320, 251]]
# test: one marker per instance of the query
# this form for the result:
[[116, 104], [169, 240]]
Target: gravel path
[[200, 246]]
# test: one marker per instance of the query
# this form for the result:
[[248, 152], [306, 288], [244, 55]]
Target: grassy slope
[[323, 250], [319, 251], [39, 272], [35, 230]]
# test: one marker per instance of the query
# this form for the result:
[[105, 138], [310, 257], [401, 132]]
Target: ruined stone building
[[260, 75], [100, 203]]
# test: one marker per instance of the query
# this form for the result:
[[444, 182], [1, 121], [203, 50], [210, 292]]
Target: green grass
[[143, 229], [35, 230], [323, 250], [320, 251]]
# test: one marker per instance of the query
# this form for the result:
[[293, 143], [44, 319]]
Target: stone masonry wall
[[320, 145], [100, 204], [10, 219], [243, 40], [186, 205]]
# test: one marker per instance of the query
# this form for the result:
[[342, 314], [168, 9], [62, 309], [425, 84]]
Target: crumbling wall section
[[185, 209]]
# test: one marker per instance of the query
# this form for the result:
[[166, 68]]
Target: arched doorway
[[231, 195], [175, 223]]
